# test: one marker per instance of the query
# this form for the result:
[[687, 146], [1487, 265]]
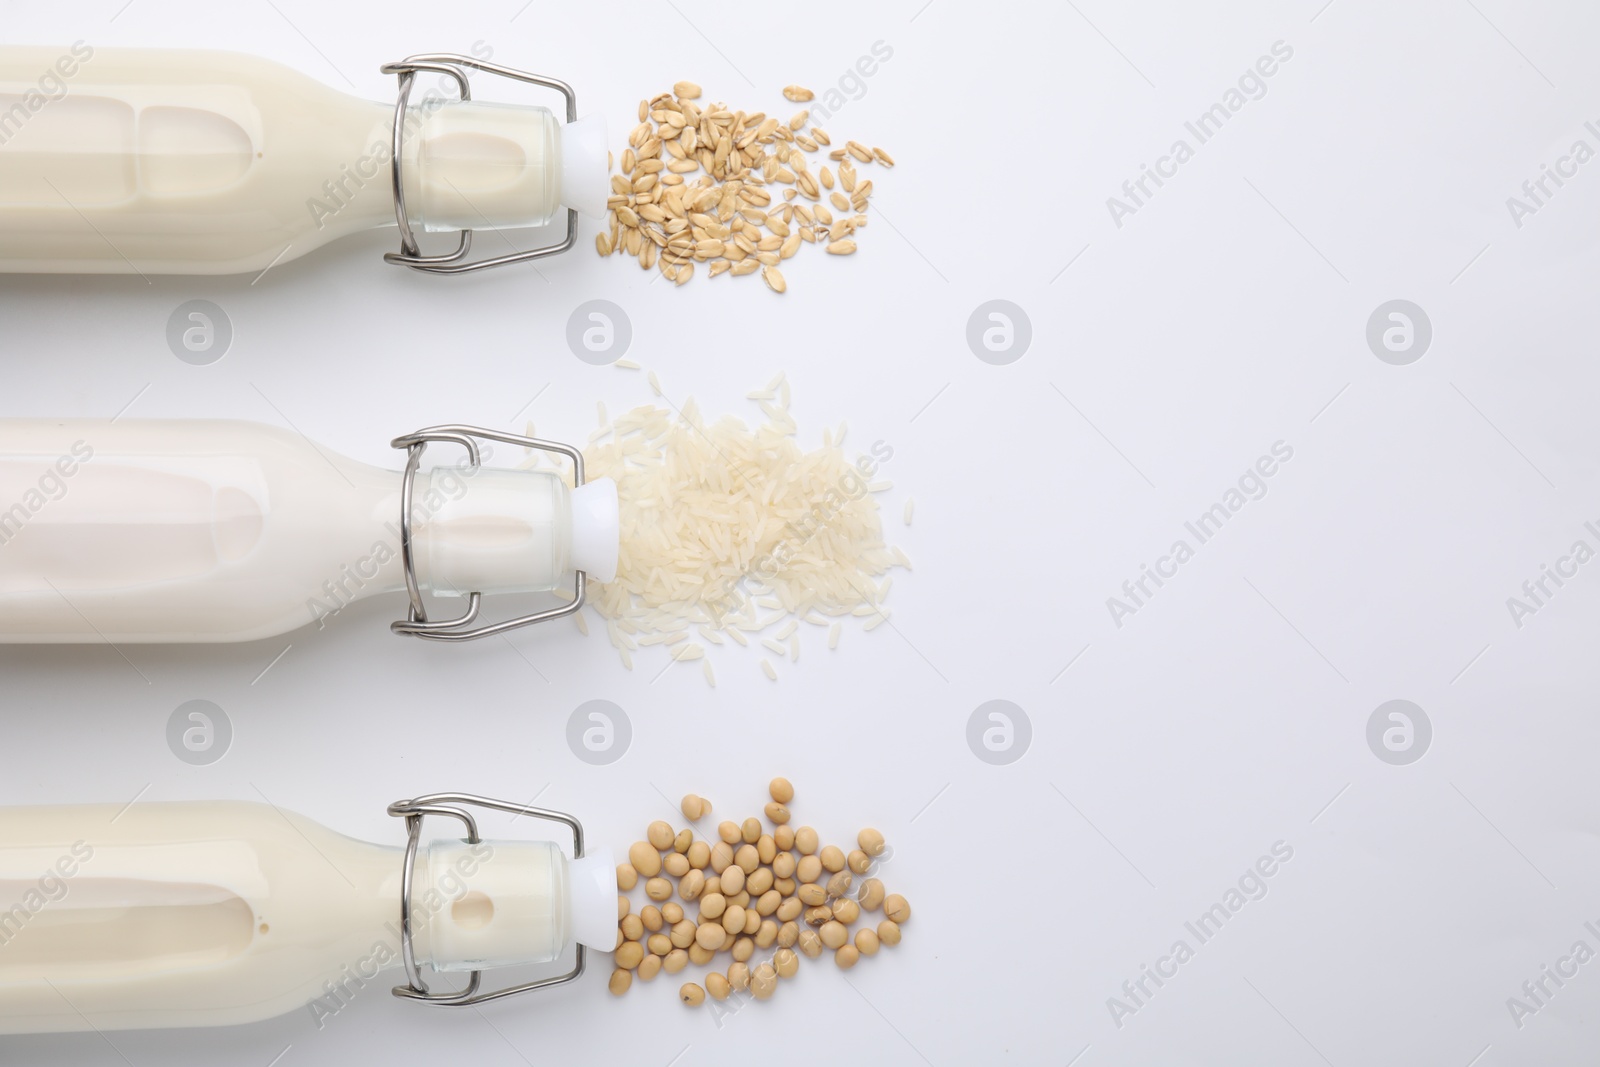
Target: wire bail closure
[[416, 623], [455, 66], [413, 811]]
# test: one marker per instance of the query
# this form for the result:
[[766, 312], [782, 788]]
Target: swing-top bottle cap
[[592, 882], [596, 530], [585, 164]]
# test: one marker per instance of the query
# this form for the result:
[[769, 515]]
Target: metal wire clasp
[[417, 623], [413, 812], [454, 65]]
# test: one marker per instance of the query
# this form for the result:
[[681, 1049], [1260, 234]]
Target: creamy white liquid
[[207, 914], [212, 530], [199, 162]]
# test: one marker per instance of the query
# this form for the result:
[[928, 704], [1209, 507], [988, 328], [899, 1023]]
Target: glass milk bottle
[[212, 913], [173, 530], [123, 161]]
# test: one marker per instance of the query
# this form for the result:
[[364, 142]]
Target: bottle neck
[[492, 904], [470, 165], [491, 530]]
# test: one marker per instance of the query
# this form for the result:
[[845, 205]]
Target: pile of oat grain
[[697, 186]]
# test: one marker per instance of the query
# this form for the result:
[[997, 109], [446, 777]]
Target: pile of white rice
[[729, 531]]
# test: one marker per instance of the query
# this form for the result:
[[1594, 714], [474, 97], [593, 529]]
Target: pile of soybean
[[779, 892]]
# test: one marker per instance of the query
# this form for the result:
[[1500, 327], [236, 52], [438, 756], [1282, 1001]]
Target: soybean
[[805, 840], [627, 877], [781, 790], [846, 911], [776, 813], [871, 894], [658, 889], [649, 967], [694, 808], [691, 994], [728, 831], [856, 860], [660, 835], [620, 981], [764, 982], [871, 842], [786, 963], [750, 831], [846, 956], [889, 932], [866, 942], [645, 858], [896, 908], [717, 986], [833, 934], [832, 857]]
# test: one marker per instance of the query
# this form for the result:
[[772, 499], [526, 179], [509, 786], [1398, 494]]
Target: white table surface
[[1168, 353]]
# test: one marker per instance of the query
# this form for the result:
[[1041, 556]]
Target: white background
[[1230, 713]]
